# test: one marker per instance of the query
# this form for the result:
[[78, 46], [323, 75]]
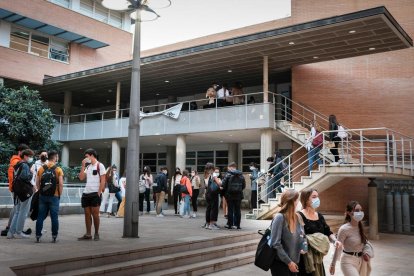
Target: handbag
[[213, 185], [112, 188], [265, 254]]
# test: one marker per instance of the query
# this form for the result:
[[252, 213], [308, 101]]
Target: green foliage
[[71, 174], [23, 119]]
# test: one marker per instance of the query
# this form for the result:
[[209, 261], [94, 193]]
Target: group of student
[[301, 239]]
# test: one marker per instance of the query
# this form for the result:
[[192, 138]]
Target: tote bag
[[265, 254]]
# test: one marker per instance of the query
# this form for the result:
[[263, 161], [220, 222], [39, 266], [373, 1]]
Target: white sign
[[172, 112]]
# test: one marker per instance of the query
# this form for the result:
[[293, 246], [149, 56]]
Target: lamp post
[[136, 8]]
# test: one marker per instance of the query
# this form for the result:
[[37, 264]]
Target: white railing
[[370, 147]]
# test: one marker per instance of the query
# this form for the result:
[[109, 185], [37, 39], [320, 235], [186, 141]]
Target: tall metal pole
[[132, 194]]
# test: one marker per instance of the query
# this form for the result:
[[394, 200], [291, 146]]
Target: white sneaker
[[194, 215], [160, 216], [10, 235], [21, 236], [334, 164], [213, 227], [186, 216]]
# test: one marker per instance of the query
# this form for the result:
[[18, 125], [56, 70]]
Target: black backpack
[[48, 181], [22, 189], [235, 184]]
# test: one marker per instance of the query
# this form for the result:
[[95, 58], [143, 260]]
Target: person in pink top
[[186, 193]]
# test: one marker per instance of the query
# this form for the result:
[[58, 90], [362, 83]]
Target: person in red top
[[186, 193], [10, 173]]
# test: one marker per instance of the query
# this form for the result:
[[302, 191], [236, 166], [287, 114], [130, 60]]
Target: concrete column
[[116, 153], [64, 158], [373, 210], [67, 104], [266, 147], [118, 99], [180, 152], [265, 79], [233, 154]]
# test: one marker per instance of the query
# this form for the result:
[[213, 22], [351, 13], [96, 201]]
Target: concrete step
[[168, 262], [211, 266], [64, 265]]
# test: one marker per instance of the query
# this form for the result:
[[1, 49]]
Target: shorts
[[90, 200]]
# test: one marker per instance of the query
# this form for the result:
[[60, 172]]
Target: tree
[[23, 119]]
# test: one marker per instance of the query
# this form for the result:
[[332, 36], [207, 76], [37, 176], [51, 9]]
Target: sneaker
[[160, 216], [227, 226], [205, 225], [194, 215], [186, 216], [213, 227], [334, 164], [141, 213], [27, 232], [10, 235], [21, 236], [37, 239], [54, 239], [96, 237], [4, 232]]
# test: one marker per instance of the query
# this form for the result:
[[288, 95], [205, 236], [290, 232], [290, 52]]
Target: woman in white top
[[211, 96], [195, 183], [147, 176], [176, 188], [110, 180], [353, 240]]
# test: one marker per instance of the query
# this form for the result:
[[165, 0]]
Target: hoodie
[[232, 177], [10, 172]]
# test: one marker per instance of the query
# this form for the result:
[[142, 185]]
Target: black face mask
[[43, 158]]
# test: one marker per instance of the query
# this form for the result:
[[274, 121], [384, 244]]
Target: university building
[[353, 59]]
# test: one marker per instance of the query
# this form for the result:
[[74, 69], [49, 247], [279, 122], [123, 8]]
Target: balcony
[[114, 124]]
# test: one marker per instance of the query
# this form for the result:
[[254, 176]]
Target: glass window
[[86, 7], [101, 13], [150, 156], [222, 153], [40, 45], [205, 154], [59, 50], [162, 155], [191, 154], [63, 3], [248, 157], [19, 40], [115, 19]]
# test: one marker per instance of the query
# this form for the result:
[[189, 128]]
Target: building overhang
[[191, 70], [50, 30]]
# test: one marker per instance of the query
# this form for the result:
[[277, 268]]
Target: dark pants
[[279, 268], [253, 199], [212, 208], [234, 213], [147, 199], [48, 204], [141, 202], [335, 150], [119, 198], [176, 196], [194, 199]]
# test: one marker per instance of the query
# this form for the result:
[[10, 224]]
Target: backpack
[[48, 181], [22, 189], [341, 132], [318, 140], [235, 184]]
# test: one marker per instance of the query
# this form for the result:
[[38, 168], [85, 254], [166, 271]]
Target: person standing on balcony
[[195, 182], [211, 96], [314, 145], [94, 173], [333, 136], [222, 93], [254, 176], [176, 188], [237, 92]]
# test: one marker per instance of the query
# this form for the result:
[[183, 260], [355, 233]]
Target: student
[[287, 236], [212, 196], [195, 182], [186, 193], [314, 145], [148, 184], [333, 136], [254, 176], [49, 198], [353, 240], [42, 160], [176, 188], [233, 185], [314, 222], [111, 188], [94, 173], [161, 190]]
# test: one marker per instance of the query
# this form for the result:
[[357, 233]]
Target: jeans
[[147, 199], [105, 196], [176, 196], [187, 205], [234, 214], [212, 207], [119, 198], [20, 214], [46, 204], [141, 201], [313, 155]]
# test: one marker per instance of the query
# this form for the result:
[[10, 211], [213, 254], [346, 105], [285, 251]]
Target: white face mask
[[215, 174], [251, 168], [358, 216], [192, 174], [30, 160], [316, 202], [87, 160]]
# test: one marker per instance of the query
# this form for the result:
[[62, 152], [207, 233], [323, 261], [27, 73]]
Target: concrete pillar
[[67, 104], [118, 99], [180, 152], [116, 153], [265, 79], [266, 147], [64, 158], [233, 154], [373, 210]]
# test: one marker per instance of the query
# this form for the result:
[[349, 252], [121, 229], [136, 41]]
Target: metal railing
[[374, 147]]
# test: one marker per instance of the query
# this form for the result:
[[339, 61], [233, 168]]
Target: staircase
[[186, 258], [370, 152]]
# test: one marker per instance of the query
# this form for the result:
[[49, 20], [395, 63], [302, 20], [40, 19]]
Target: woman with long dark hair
[[176, 189], [147, 177], [287, 235], [353, 239], [195, 183], [213, 183], [333, 136]]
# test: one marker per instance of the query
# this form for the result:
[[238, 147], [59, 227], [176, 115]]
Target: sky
[[188, 19]]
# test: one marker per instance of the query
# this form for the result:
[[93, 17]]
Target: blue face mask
[[316, 202]]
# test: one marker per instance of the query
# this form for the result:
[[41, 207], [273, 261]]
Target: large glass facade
[[198, 159]]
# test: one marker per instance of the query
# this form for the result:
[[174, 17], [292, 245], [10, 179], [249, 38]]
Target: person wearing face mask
[[195, 183], [43, 160], [352, 236], [253, 178], [176, 189], [314, 224], [213, 181]]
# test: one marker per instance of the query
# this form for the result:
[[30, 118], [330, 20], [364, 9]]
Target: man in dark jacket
[[160, 190], [233, 186]]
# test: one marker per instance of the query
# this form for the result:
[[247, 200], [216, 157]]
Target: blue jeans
[[313, 155], [20, 214], [187, 205], [46, 204]]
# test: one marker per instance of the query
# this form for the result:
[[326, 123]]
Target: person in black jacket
[[233, 186], [160, 189], [333, 136]]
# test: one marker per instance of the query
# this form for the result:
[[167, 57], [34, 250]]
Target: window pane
[[200, 169], [19, 40], [190, 162], [59, 50], [40, 45], [204, 161], [101, 13], [162, 162], [115, 19], [86, 7], [63, 3], [222, 153], [150, 163], [190, 154], [205, 154], [150, 155], [251, 152], [162, 155], [222, 161]]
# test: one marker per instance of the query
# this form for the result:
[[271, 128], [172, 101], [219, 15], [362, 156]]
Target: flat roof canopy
[[192, 70]]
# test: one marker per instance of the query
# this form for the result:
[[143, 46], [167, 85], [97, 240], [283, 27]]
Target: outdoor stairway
[[185, 258]]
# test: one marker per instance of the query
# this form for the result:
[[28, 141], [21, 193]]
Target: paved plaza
[[393, 252]]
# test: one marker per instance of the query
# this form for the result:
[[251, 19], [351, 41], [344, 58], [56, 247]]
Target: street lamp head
[[141, 10]]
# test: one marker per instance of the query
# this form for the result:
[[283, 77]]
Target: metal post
[[388, 152], [265, 79], [411, 158], [394, 152], [362, 150], [131, 200], [402, 152]]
